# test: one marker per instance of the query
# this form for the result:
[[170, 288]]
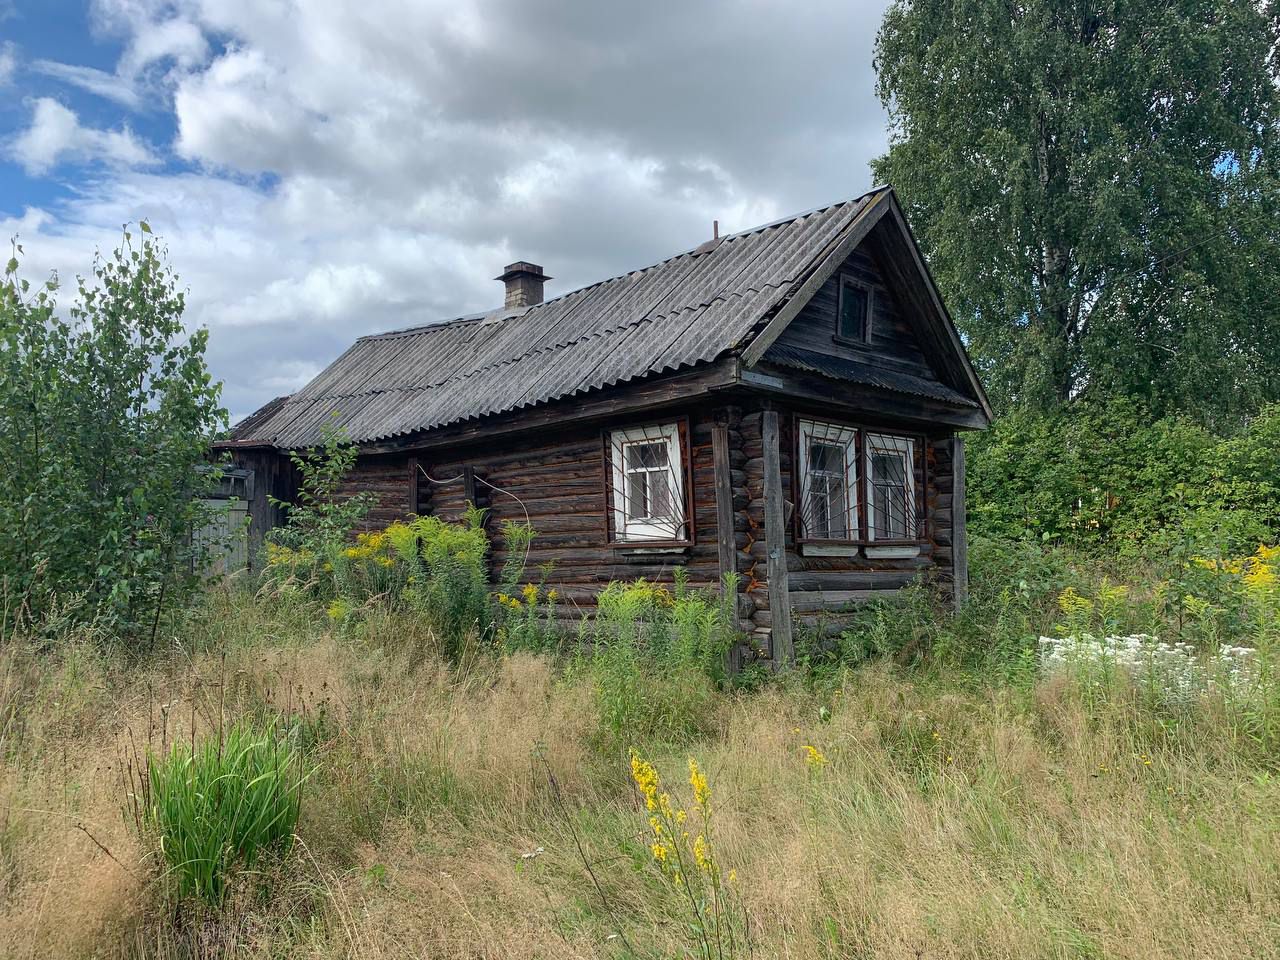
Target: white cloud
[[361, 165], [56, 135], [98, 82]]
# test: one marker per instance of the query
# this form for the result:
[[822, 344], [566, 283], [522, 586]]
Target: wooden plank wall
[[892, 338], [273, 476], [822, 587], [386, 479], [559, 478]]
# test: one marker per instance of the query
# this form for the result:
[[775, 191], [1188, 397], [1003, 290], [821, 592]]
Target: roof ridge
[[516, 315]]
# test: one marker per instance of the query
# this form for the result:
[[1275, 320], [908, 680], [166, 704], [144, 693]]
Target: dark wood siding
[[892, 339], [560, 477], [386, 480], [273, 476], [822, 587]]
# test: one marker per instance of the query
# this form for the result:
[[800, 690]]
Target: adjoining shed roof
[[687, 310]]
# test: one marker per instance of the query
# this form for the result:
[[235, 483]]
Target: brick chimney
[[524, 282]]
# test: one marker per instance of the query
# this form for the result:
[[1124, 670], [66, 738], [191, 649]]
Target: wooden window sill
[[645, 551], [894, 551], [814, 549]]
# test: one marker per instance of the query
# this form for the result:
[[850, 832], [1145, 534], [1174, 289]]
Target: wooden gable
[[892, 340], [912, 345]]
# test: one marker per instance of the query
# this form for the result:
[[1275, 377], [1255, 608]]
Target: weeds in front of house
[[683, 854], [218, 808]]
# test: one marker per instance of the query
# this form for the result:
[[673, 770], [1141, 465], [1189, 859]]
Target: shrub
[[1096, 475], [105, 420], [216, 807], [657, 655]]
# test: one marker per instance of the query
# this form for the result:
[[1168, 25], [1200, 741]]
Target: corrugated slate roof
[[687, 310]]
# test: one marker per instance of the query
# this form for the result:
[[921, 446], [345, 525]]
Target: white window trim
[[889, 443], [846, 437], [637, 531]]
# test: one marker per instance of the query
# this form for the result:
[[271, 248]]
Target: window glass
[[891, 495], [828, 502], [648, 483], [648, 491], [853, 311]]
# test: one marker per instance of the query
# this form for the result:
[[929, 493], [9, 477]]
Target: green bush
[[105, 421], [217, 808], [656, 658], [1108, 476]]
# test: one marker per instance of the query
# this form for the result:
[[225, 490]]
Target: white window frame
[[629, 531], [881, 443], [836, 434]]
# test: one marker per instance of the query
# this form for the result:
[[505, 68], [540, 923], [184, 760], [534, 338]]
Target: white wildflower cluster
[[1173, 672]]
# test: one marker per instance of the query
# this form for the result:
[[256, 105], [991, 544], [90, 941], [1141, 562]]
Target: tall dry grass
[[477, 814]]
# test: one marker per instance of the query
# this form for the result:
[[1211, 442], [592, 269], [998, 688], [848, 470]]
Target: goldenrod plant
[[683, 853]]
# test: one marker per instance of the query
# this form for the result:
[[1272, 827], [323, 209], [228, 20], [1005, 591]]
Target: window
[[828, 481], [890, 469], [853, 311], [648, 483]]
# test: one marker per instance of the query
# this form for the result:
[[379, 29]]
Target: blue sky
[[321, 170]]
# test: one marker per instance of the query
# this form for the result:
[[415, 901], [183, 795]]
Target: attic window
[[648, 484], [853, 312]]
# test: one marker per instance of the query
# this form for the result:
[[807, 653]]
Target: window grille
[[828, 481], [891, 487], [648, 483]]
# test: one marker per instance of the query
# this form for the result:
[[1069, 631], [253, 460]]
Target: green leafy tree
[[105, 421], [322, 516], [1096, 186]]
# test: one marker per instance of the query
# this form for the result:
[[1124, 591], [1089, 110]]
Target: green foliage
[[1095, 188], [217, 808], [656, 658], [322, 517], [105, 420], [1109, 476]]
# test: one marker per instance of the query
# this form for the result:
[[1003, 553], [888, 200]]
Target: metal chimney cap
[[522, 268]]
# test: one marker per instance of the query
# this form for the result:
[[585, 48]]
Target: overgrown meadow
[[365, 753]]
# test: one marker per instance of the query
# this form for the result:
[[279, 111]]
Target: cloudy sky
[[330, 168]]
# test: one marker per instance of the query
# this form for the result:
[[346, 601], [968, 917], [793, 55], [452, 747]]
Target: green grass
[[218, 808]]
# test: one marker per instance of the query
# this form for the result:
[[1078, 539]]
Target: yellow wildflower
[[1074, 605], [1259, 576], [646, 778], [698, 780], [701, 855], [530, 593], [733, 876], [552, 596], [813, 756], [659, 852], [681, 816]]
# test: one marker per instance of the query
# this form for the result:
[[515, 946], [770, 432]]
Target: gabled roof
[[685, 311]]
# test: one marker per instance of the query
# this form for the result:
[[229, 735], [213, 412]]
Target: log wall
[[557, 479], [822, 588]]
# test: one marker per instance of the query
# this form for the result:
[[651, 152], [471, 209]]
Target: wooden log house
[[786, 404]]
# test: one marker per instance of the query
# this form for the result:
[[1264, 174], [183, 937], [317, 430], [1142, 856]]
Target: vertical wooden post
[[724, 499], [413, 486], [775, 543], [959, 536], [469, 485], [726, 537]]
